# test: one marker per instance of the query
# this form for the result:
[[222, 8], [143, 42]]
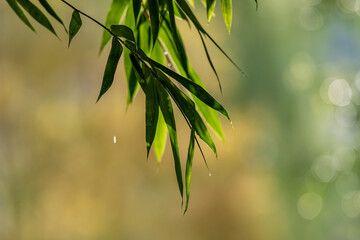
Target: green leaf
[[51, 11], [37, 14], [152, 113], [187, 107], [136, 8], [132, 82], [114, 15], [111, 65], [226, 6], [188, 171], [123, 32], [154, 18], [75, 25], [159, 143], [210, 6], [168, 113], [15, 7], [210, 61], [192, 3]]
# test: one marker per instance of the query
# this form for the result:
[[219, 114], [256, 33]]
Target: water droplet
[[114, 139], [209, 174], [166, 53]]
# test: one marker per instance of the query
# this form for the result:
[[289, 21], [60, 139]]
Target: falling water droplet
[[209, 174], [114, 139]]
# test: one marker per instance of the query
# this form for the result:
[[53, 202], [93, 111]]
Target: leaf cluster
[[145, 33]]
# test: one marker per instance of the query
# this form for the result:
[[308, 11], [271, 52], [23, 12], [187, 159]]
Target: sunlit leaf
[[15, 7], [75, 25], [114, 15], [111, 65], [226, 6], [52, 12], [188, 171], [159, 143], [210, 5], [154, 18], [123, 32], [37, 14]]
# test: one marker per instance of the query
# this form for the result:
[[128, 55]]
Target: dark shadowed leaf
[[75, 25], [188, 171], [167, 111], [111, 65], [52, 12], [152, 114], [114, 15], [15, 7], [37, 14], [226, 7], [154, 18], [123, 32], [136, 8]]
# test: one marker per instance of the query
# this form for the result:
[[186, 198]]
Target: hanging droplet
[[166, 53]]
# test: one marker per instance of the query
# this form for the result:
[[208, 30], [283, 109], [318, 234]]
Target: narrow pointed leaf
[[210, 6], [136, 8], [37, 14], [52, 12], [75, 25], [210, 61], [167, 111], [114, 15], [188, 171], [152, 114], [159, 143], [187, 107], [257, 4], [123, 32], [154, 18], [111, 65], [226, 6], [15, 7]]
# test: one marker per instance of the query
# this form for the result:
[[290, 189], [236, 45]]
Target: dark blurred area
[[289, 168]]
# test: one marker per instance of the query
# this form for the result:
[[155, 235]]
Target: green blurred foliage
[[289, 168]]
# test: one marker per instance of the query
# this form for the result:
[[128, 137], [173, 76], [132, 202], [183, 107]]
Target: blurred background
[[289, 168]]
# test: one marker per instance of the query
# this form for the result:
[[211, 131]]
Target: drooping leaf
[[159, 143], [37, 14], [226, 6], [152, 114], [154, 18], [188, 171], [111, 65], [257, 4], [167, 111], [15, 7], [210, 61], [114, 15], [123, 32], [136, 8], [187, 107], [75, 25], [210, 6], [52, 12]]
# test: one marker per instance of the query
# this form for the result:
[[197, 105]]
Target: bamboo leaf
[[37, 14], [159, 143], [114, 15], [136, 8], [154, 18], [75, 25], [167, 111], [226, 6], [188, 171], [111, 65], [210, 6], [52, 12], [152, 114], [123, 32], [15, 7]]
